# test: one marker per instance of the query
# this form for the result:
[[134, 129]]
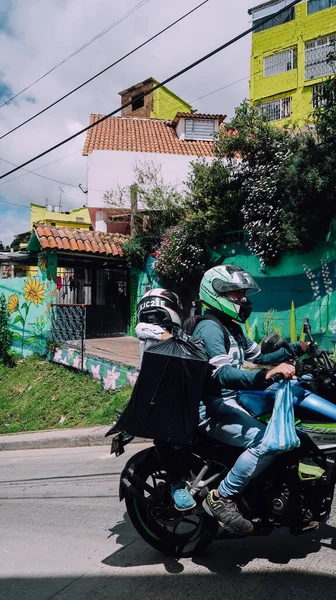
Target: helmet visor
[[240, 280]]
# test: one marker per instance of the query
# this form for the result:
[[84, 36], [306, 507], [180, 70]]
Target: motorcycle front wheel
[[153, 515]]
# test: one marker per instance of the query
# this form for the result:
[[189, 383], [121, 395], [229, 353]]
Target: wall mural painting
[[299, 286], [29, 301], [112, 376]]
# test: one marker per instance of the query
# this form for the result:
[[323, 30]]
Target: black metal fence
[[68, 325]]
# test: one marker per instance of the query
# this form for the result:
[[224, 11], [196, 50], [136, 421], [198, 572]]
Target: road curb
[[61, 438]]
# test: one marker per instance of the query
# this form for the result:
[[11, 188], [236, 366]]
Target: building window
[[317, 5], [276, 109], [138, 101], [79, 219], [318, 54], [284, 17], [280, 62], [321, 97], [197, 129]]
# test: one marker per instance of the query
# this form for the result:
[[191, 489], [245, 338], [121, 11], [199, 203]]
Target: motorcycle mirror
[[271, 343], [306, 326], [307, 329]]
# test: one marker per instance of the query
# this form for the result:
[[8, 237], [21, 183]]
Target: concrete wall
[[291, 83], [108, 169]]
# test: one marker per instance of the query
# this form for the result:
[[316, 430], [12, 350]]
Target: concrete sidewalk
[[60, 438]]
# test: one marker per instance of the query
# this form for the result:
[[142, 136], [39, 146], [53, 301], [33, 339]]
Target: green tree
[[159, 206], [285, 182], [5, 334]]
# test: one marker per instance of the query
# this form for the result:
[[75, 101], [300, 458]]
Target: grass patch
[[36, 394]]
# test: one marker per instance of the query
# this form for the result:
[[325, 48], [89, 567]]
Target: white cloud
[[43, 33]]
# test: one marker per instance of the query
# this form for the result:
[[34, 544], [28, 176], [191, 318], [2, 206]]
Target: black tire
[[179, 534]]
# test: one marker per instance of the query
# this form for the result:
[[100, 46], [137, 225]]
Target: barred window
[[199, 129], [277, 109], [317, 5], [318, 54], [321, 96], [280, 62]]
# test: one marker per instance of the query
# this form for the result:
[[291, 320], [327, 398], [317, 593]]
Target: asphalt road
[[64, 536]]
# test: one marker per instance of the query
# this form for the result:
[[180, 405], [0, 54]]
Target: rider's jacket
[[148, 334], [228, 375]]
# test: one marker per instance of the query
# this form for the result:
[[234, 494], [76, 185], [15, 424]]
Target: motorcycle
[[295, 491]]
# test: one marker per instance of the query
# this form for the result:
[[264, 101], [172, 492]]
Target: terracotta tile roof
[[79, 240], [202, 116], [141, 135]]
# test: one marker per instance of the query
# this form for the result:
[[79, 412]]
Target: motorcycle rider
[[223, 290], [158, 312]]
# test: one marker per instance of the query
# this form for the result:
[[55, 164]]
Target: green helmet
[[218, 282]]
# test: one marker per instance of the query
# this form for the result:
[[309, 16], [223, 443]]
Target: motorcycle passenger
[[158, 312], [223, 290]]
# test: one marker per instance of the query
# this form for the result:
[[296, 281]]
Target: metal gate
[[68, 327], [108, 316], [105, 293]]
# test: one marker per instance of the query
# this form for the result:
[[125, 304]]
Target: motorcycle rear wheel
[[162, 527]]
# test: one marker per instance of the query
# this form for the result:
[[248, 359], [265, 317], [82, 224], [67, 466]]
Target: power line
[[94, 39], [38, 168], [73, 185], [221, 88], [156, 87], [39, 174], [68, 155], [103, 71]]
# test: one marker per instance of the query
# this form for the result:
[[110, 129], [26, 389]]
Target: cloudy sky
[[35, 36]]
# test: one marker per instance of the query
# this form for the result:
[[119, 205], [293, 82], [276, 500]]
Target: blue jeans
[[232, 424]]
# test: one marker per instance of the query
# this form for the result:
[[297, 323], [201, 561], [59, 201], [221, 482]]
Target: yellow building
[[50, 215], [290, 58]]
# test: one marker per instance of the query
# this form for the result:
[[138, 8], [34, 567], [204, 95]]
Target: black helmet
[[160, 307]]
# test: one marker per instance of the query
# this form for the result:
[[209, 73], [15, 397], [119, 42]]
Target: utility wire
[[94, 39], [156, 87], [103, 71], [39, 174], [68, 155], [220, 89], [73, 185], [27, 172]]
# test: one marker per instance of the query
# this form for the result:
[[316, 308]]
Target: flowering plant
[[179, 256]]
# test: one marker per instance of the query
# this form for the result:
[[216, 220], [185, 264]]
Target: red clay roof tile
[[81, 246], [145, 135], [79, 240]]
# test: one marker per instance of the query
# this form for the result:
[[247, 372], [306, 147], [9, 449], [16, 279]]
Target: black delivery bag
[[165, 399]]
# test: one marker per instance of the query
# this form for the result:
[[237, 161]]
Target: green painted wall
[[301, 285]]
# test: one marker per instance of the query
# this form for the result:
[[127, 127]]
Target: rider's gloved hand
[[285, 370]]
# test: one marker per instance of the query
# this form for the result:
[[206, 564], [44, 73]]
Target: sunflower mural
[[34, 294]]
